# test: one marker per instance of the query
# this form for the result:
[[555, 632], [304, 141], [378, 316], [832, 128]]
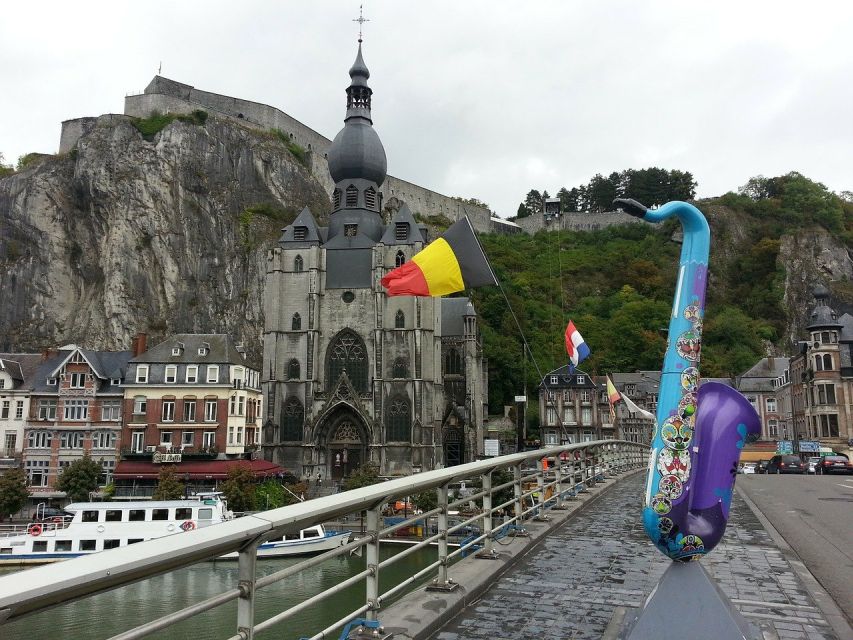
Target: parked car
[[749, 467], [785, 464], [761, 467], [812, 463], [835, 464]]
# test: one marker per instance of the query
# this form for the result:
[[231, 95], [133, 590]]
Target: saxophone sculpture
[[699, 431]]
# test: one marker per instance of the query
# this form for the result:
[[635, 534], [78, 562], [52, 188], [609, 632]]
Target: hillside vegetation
[[618, 285]]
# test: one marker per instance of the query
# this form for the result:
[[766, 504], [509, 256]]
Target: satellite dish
[[816, 345]]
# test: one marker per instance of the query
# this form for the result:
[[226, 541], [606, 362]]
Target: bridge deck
[[569, 586]]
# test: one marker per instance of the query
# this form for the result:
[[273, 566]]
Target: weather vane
[[360, 20]]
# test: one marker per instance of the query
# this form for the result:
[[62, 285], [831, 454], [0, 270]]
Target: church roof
[[413, 232], [452, 312], [311, 232]]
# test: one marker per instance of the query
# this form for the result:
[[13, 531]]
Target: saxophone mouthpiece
[[631, 207]]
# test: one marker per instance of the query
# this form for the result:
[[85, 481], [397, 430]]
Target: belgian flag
[[453, 262]]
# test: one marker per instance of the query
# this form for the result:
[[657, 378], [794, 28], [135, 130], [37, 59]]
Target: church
[[352, 375]]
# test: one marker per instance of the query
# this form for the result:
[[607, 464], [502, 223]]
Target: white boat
[[308, 541], [92, 527]]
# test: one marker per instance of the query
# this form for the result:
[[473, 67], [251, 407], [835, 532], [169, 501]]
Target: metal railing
[[533, 489]]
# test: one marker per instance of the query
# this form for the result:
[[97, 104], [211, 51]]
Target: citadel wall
[[575, 221]]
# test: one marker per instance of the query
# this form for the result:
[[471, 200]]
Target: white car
[[749, 467], [811, 464]]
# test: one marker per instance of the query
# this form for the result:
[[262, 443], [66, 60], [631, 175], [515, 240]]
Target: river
[[108, 614]]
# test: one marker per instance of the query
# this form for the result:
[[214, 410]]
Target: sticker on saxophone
[[661, 504], [687, 407], [690, 380], [693, 313], [689, 344], [676, 433], [671, 487], [665, 525], [691, 544], [676, 463]]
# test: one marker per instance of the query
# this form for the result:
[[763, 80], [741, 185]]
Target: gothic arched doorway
[[454, 446], [345, 445]]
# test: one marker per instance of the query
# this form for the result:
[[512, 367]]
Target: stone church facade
[[352, 375]]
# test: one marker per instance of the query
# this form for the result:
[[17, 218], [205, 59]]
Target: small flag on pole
[[575, 346], [633, 408], [613, 397], [453, 262]]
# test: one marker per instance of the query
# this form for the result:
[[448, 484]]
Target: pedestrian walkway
[[570, 585]]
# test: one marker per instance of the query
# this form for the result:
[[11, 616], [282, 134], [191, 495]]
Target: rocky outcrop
[[124, 234]]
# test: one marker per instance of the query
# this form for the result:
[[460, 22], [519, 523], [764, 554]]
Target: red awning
[[195, 469]]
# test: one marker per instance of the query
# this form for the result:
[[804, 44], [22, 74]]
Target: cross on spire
[[360, 20]]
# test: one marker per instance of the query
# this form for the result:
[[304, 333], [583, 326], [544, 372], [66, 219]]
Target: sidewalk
[[570, 584]]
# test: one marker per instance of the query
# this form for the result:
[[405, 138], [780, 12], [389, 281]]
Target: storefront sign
[[160, 458]]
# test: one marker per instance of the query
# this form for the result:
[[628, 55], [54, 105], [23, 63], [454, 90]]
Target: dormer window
[[350, 230], [401, 230], [581, 379], [115, 381], [352, 196], [336, 198], [178, 349], [142, 373], [51, 381], [553, 380], [300, 233], [370, 198], [204, 349], [400, 259]]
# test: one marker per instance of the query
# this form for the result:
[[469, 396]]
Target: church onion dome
[[357, 152]]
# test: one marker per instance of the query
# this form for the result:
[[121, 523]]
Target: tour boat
[[97, 526]]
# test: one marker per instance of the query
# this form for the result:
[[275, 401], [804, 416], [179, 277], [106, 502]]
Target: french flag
[[575, 346]]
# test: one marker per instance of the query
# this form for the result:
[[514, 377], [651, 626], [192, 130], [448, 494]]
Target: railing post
[[372, 557], [488, 552], [558, 481], [442, 582], [516, 489], [540, 485], [246, 561]]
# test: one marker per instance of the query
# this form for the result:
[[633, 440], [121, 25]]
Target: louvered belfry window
[[336, 197], [401, 230], [300, 233], [370, 198], [352, 196]]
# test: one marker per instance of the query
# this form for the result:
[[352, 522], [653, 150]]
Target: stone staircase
[[325, 488]]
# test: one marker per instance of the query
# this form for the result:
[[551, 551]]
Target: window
[[183, 513], [111, 544], [37, 472], [76, 410], [350, 230], [90, 516], [552, 380], [452, 362], [296, 322], [773, 428], [10, 440], [298, 264], [51, 382], [4, 409], [19, 409], [71, 439], [205, 514], [568, 415], [140, 405], [136, 515], [171, 374], [587, 436], [300, 233], [208, 439], [78, 380], [159, 514], [104, 440], [232, 406], [400, 368], [293, 371], [47, 409], [168, 410], [398, 420], [39, 546], [38, 439], [551, 437], [292, 418], [137, 440], [2, 383], [310, 533], [178, 349], [189, 410], [204, 349], [213, 374], [336, 198], [187, 439], [166, 438], [581, 379], [192, 374], [352, 196], [586, 415], [141, 373], [370, 198], [134, 540], [347, 352], [827, 362], [829, 425], [825, 394], [401, 231], [824, 337], [112, 515], [111, 411], [551, 416], [400, 259], [62, 545], [235, 435], [770, 403], [210, 410], [585, 395], [241, 405]]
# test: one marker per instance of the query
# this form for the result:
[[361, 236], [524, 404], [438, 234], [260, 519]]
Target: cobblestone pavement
[[569, 585]]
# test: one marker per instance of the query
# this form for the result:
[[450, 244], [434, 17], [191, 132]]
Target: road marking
[[846, 486]]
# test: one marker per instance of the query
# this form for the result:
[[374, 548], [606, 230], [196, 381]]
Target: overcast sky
[[484, 99]]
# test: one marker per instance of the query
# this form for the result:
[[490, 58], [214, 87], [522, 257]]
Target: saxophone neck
[[691, 218]]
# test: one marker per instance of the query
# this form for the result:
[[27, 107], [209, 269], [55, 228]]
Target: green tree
[[270, 494], [80, 479], [5, 169], [239, 488], [13, 491], [426, 500], [168, 485], [364, 476], [533, 201]]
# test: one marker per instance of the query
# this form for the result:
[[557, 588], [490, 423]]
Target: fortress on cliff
[[169, 96]]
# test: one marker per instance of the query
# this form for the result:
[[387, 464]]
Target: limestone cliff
[[125, 234]]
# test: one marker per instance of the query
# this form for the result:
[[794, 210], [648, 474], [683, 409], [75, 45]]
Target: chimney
[[48, 353], [139, 344]]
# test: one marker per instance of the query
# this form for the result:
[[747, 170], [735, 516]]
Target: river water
[[110, 613]]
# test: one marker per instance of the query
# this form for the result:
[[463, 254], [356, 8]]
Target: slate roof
[[312, 233], [414, 235], [452, 312], [221, 345], [568, 379], [760, 376], [106, 365], [21, 367]]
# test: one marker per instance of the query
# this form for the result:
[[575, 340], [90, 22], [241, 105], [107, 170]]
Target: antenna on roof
[[360, 20], [160, 68]]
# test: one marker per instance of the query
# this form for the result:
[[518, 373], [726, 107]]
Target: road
[[815, 516]]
